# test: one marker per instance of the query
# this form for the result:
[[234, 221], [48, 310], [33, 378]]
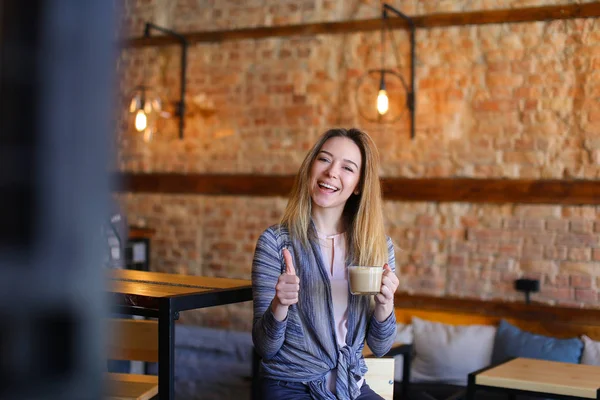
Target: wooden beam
[[516, 15], [268, 32], [500, 309], [564, 192], [567, 192], [209, 184], [507, 16]]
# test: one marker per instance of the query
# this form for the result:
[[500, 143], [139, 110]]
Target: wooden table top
[[158, 284], [544, 376]]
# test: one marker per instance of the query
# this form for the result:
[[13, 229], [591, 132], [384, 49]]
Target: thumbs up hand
[[289, 263], [287, 289]]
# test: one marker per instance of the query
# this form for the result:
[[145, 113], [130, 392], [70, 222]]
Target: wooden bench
[[543, 319], [135, 340]]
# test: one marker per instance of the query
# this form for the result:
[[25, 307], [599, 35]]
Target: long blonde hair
[[363, 212]]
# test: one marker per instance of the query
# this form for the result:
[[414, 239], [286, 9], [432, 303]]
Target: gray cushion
[[591, 351], [404, 335], [211, 364], [448, 353]]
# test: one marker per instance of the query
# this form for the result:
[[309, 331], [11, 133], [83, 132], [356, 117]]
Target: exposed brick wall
[[507, 100], [478, 251]]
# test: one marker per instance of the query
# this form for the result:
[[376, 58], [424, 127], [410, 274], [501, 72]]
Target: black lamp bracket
[[527, 286], [184, 47], [411, 94]]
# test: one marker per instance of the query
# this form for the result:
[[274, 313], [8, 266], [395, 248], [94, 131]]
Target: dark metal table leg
[[470, 393], [255, 378], [406, 364], [166, 350], [471, 387]]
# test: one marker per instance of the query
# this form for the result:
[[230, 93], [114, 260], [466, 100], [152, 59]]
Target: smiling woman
[[308, 328]]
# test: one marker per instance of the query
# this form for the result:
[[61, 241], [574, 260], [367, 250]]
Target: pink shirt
[[333, 249]]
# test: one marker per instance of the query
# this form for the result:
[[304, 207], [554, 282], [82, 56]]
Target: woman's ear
[[357, 192]]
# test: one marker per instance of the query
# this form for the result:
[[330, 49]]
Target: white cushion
[[404, 335], [591, 351], [448, 353]]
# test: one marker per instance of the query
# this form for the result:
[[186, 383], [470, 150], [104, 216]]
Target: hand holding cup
[[389, 284], [384, 300]]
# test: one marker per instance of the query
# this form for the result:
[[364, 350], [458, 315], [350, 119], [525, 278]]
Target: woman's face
[[335, 173]]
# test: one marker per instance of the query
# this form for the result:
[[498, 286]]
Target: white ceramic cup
[[364, 280]]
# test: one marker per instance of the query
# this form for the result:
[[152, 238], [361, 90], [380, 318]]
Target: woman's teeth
[[326, 186]]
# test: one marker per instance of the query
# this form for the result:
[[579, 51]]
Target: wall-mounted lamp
[[377, 108], [146, 104]]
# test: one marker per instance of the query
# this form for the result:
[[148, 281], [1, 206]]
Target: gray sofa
[[211, 364]]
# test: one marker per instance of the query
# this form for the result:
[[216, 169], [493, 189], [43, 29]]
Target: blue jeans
[[272, 389]]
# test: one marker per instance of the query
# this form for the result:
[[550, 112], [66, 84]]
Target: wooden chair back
[[135, 340], [380, 376]]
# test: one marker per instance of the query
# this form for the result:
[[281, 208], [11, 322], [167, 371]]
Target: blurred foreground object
[[56, 63]]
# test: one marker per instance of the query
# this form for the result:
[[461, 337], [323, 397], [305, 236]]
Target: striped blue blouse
[[303, 347]]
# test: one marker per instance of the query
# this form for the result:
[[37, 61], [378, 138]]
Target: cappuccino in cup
[[364, 280]]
